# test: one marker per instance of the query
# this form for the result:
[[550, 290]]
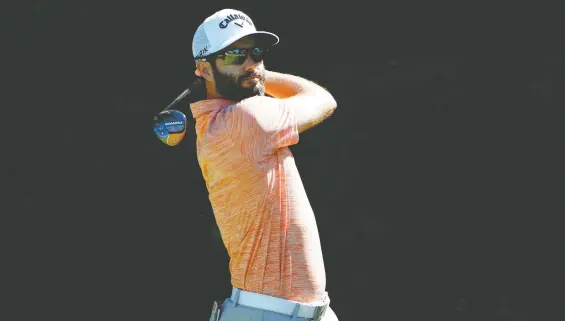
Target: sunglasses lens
[[257, 54], [238, 56], [235, 58]]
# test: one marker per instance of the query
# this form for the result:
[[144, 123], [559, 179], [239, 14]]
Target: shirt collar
[[202, 107]]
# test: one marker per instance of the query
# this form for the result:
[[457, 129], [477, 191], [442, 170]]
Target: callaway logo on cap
[[224, 28]]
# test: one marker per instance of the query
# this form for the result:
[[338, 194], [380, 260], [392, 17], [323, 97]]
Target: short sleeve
[[262, 125]]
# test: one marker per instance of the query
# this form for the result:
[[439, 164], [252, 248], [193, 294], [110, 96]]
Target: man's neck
[[211, 92]]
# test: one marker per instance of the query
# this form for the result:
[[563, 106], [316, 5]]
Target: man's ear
[[204, 70]]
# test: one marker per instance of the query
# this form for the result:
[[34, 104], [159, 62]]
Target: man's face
[[237, 82]]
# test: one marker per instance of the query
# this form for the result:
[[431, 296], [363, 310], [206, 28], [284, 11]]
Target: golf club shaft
[[183, 94]]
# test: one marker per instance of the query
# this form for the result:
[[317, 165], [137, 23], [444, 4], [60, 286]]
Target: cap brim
[[265, 38]]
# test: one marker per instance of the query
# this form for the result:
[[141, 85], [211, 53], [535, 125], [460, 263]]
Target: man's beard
[[231, 88]]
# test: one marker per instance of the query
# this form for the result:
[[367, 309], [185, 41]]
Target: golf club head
[[170, 126]]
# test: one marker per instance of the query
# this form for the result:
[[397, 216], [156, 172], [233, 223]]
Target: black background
[[435, 183]]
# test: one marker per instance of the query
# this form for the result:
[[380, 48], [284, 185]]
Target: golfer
[[245, 125]]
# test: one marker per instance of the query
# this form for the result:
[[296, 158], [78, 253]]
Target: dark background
[[435, 183]]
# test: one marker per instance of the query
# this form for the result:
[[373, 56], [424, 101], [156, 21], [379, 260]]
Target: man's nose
[[250, 64]]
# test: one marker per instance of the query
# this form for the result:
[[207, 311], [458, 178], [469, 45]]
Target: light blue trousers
[[232, 311]]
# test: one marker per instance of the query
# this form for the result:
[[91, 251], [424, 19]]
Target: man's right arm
[[311, 104]]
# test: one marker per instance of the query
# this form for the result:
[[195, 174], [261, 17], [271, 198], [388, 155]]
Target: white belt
[[278, 305]]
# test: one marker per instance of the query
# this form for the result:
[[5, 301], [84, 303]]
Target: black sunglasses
[[237, 56]]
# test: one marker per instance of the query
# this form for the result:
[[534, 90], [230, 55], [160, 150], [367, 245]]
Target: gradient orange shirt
[[259, 202]]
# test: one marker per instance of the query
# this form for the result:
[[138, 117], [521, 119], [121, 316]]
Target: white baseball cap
[[224, 28]]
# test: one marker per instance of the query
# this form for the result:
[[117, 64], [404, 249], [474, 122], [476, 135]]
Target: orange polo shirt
[[259, 202]]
